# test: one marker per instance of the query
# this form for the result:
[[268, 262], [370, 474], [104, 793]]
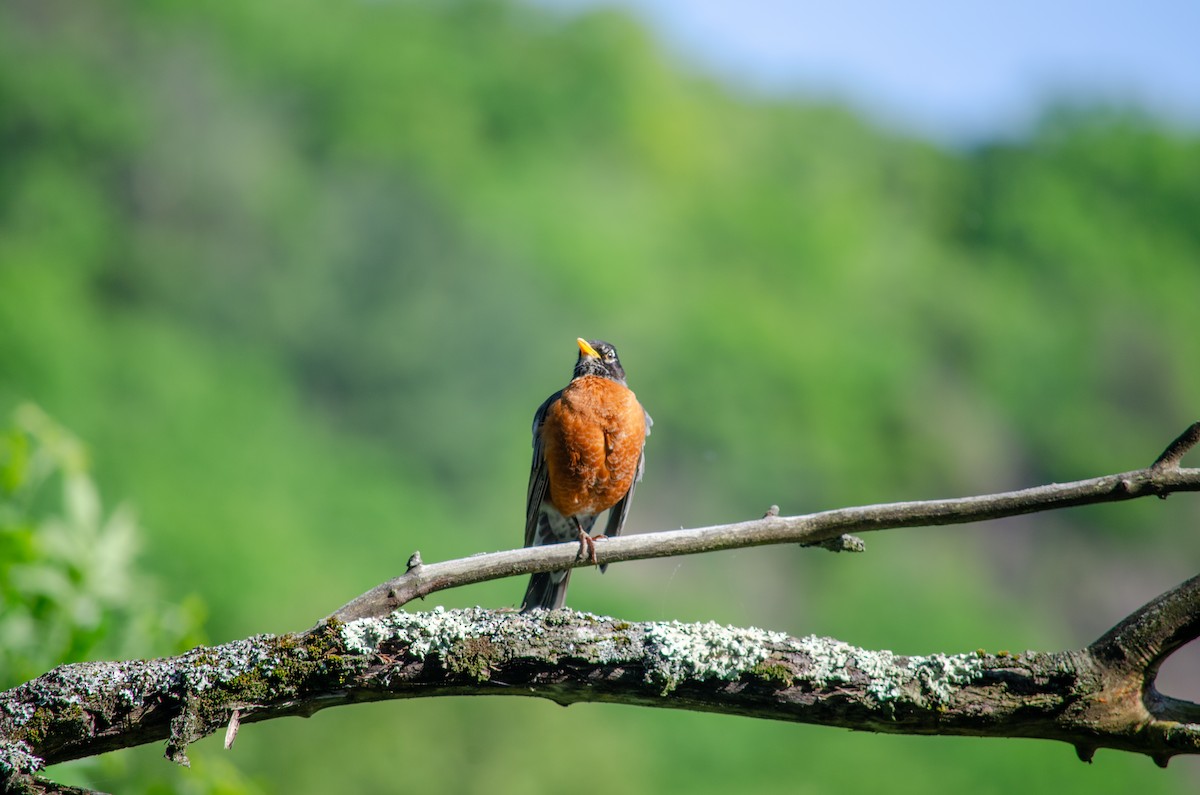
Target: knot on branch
[[842, 543]]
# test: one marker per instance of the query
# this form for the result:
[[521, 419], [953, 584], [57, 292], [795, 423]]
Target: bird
[[588, 455]]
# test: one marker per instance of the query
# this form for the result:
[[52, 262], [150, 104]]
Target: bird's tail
[[547, 591]]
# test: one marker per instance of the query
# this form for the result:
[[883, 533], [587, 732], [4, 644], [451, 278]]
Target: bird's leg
[[587, 542]]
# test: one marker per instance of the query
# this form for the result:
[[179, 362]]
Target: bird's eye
[[610, 355]]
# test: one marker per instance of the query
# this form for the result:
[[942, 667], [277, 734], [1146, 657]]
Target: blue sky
[[950, 70]]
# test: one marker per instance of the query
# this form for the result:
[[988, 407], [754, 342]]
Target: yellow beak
[[587, 350]]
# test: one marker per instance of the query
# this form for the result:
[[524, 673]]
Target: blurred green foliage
[[301, 274], [69, 589], [68, 585]]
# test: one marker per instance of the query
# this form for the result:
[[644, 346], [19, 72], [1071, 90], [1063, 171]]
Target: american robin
[[588, 442]]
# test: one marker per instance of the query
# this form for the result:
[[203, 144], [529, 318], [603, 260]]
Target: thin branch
[[1177, 449], [817, 529]]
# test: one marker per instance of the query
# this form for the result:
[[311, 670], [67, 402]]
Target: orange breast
[[593, 437]]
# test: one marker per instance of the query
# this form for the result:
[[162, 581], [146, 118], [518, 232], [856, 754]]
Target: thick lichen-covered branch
[[1080, 697]]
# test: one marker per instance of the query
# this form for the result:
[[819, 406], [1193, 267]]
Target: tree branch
[[1159, 479], [1090, 698], [1102, 696]]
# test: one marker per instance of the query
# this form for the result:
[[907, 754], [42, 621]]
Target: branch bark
[[1102, 696]]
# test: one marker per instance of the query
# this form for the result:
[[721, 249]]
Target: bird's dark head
[[597, 357]]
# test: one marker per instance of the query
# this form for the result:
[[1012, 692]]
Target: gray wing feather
[[539, 476]]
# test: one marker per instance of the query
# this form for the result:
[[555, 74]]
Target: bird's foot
[[588, 543]]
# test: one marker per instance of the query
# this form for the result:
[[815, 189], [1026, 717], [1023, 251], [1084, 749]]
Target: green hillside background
[[299, 275]]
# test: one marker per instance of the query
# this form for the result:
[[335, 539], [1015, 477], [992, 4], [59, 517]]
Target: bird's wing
[[539, 475]]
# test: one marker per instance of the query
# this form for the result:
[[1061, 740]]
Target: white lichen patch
[[365, 635], [836, 662], [676, 652], [215, 665], [617, 651], [436, 631], [19, 710], [886, 676], [15, 757], [941, 674]]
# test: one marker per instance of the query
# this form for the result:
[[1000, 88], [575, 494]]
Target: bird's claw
[[588, 543]]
